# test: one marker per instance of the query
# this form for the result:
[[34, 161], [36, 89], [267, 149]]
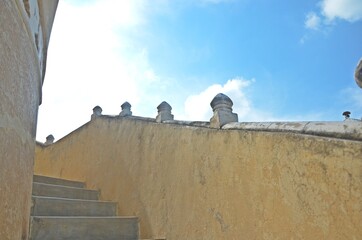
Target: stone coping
[[153, 120], [348, 129]]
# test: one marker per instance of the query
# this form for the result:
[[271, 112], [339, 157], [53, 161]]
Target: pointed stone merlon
[[97, 111], [49, 140], [164, 112], [358, 73], [222, 107], [126, 110]]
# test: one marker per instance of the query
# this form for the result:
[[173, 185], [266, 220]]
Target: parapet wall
[[194, 182]]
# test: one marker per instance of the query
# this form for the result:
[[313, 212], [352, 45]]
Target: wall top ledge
[[40, 144], [153, 120], [348, 129], [189, 123]]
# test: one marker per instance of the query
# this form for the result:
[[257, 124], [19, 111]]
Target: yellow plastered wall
[[200, 183], [20, 81], [22, 63]]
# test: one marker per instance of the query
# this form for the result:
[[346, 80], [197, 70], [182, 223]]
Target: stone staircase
[[64, 209]]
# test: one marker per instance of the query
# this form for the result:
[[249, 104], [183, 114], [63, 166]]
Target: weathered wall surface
[[20, 94], [201, 183]]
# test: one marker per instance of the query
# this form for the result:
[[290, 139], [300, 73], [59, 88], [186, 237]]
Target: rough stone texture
[[199, 183], [358, 74], [20, 95]]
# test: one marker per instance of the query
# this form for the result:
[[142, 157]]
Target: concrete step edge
[[50, 190], [53, 206], [62, 186], [71, 199], [85, 217], [58, 181], [153, 239], [75, 228]]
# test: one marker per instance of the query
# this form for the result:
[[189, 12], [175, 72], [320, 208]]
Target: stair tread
[[58, 181], [62, 186], [52, 206], [70, 228], [85, 217], [50, 190], [71, 199], [69, 211]]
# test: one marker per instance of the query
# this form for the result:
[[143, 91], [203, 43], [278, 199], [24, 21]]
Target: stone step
[[50, 206], [153, 239], [57, 181], [77, 228], [49, 190]]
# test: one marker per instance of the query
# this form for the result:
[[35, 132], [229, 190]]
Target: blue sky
[[277, 60]]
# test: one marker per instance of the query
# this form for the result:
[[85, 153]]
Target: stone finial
[[49, 140], [222, 108], [97, 111], [126, 110], [358, 73], [346, 114], [164, 112]]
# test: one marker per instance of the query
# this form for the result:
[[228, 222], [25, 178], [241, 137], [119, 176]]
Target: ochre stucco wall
[[19, 100], [199, 183], [20, 94]]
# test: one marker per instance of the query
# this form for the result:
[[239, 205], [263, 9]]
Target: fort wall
[[194, 182], [24, 33]]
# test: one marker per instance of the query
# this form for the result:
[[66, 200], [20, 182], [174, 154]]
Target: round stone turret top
[[126, 105], [346, 114], [97, 110], [126, 110], [49, 139], [164, 106], [358, 74], [221, 101]]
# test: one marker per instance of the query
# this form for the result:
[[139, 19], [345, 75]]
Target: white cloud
[[197, 107], [349, 10], [312, 21], [330, 10], [93, 60]]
